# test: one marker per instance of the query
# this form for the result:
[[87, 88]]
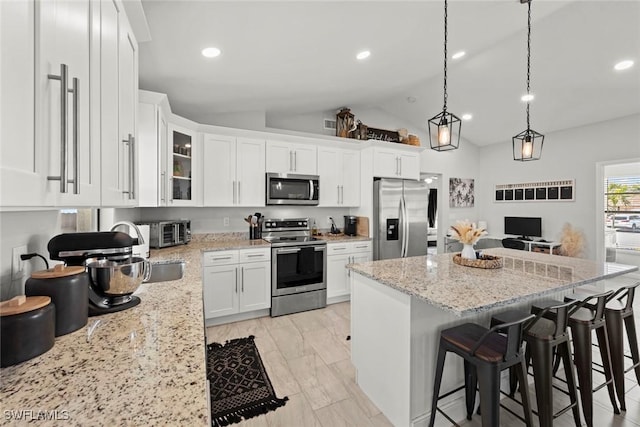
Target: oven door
[[296, 269], [288, 189]]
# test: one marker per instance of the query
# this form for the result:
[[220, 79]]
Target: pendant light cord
[[528, 59], [445, 57]]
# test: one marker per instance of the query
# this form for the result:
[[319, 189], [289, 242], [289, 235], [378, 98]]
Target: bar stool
[[544, 337], [486, 353], [584, 318], [616, 313]]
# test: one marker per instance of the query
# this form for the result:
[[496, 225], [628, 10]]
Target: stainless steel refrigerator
[[400, 221]]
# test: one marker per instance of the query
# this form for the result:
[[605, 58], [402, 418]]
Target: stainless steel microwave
[[288, 189], [168, 233]]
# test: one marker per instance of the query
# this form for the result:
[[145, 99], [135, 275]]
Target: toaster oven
[[167, 233]]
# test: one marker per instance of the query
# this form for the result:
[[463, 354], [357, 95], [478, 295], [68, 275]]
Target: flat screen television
[[523, 226]]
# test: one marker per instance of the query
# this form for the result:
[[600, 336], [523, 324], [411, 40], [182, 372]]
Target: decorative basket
[[485, 261], [412, 140]]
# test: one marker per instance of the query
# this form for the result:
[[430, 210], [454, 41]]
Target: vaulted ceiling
[[293, 57]]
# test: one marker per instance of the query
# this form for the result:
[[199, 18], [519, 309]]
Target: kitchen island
[[144, 366], [399, 307]]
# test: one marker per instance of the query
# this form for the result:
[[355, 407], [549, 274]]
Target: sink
[[165, 271]]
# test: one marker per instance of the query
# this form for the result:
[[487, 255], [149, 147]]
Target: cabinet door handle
[[295, 161], [130, 142], [291, 160], [255, 255], [239, 194], [234, 192], [220, 258], [163, 185], [340, 249], [338, 188], [76, 163], [237, 273], [63, 127], [342, 194], [132, 166], [400, 163], [242, 278]]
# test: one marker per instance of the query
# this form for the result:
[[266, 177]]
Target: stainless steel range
[[298, 266]]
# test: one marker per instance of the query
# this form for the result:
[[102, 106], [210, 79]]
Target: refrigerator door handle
[[404, 227]]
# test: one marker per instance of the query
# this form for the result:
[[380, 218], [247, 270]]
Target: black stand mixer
[[114, 273]]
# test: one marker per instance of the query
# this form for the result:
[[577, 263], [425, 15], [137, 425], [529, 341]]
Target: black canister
[[68, 288], [27, 325]]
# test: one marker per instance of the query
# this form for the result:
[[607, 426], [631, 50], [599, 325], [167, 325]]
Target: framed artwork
[[559, 190], [461, 193]]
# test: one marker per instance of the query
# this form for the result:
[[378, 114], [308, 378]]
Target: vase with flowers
[[468, 234]]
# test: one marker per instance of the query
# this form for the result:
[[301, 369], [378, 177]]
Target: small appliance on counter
[[350, 225], [114, 274], [167, 233]]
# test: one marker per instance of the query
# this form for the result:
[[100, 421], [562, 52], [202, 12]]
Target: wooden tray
[[485, 261]]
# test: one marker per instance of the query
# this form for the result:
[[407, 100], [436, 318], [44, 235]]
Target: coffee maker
[[350, 225]]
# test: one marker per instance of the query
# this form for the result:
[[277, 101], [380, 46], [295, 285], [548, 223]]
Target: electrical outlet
[[225, 221], [17, 265]]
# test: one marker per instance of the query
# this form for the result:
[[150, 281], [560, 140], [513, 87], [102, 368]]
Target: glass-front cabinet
[[183, 180]]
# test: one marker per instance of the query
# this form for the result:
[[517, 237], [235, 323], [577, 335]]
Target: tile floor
[[307, 358]]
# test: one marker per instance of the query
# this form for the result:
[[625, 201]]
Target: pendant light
[[527, 145], [444, 128]]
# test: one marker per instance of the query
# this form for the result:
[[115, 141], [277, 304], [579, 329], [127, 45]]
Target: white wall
[[33, 229], [567, 154]]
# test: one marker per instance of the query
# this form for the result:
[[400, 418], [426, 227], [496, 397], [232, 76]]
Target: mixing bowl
[[117, 277]]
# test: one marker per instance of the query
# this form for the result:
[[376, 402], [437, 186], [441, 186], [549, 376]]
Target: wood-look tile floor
[[308, 359]]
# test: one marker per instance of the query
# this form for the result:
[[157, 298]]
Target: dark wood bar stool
[[544, 338], [588, 316], [486, 353], [619, 311]]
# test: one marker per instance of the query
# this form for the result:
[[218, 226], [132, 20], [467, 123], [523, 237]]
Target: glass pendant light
[[527, 145], [444, 128]]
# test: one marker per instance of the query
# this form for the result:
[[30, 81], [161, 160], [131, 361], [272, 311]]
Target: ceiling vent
[[330, 124]]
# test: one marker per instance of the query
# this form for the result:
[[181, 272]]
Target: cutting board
[[362, 227]]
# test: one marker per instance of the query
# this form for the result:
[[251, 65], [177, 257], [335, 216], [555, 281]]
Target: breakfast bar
[[399, 307]]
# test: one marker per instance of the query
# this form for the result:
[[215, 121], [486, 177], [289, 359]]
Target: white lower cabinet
[[338, 256], [236, 281]]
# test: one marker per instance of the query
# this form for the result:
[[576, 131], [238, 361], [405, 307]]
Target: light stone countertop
[[143, 366], [463, 290]]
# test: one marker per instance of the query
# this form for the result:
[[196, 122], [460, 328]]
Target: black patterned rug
[[239, 385]]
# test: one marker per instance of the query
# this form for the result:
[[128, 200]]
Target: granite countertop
[[463, 290], [141, 366]]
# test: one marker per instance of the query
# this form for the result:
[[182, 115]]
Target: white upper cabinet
[[118, 103], [22, 178], [184, 167], [152, 155], [394, 163], [234, 172], [291, 157], [339, 171], [49, 155]]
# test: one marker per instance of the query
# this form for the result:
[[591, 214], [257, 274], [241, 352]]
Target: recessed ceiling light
[[428, 180], [467, 116], [363, 55], [528, 97], [623, 65], [459, 55], [211, 52], [411, 99]]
